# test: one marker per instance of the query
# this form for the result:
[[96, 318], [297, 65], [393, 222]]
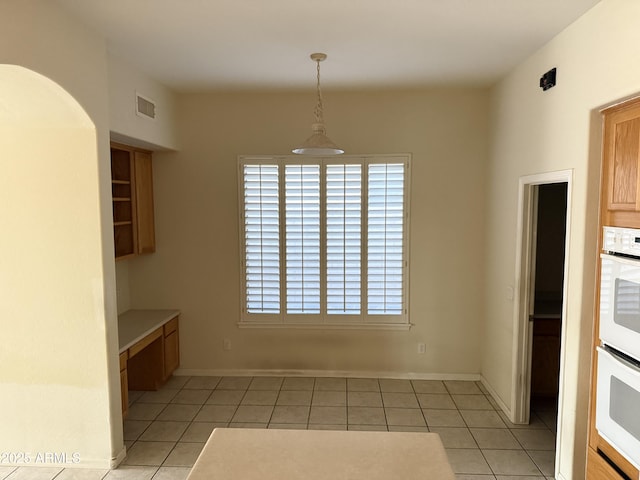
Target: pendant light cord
[[318, 110], [318, 144]]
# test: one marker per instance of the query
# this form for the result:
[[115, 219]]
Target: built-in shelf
[[132, 201]]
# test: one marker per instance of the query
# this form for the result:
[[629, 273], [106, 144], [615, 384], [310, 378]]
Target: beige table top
[[262, 454]]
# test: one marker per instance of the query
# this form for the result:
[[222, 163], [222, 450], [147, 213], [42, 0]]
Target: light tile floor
[[166, 430]]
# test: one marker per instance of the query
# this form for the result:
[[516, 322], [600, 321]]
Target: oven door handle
[[635, 262], [629, 367]]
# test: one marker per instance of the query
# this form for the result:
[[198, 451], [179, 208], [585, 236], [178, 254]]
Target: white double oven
[[618, 375]]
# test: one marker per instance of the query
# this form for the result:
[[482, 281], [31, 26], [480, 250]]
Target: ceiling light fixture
[[318, 143]]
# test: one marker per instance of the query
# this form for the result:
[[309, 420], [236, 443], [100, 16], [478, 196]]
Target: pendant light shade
[[318, 143]]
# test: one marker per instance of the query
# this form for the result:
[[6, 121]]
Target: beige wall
[[58, 372], [535, 132], [125, 82], [196, 265], [123, 291]]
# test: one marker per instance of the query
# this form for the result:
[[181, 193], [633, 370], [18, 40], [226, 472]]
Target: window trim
[[323, 320]]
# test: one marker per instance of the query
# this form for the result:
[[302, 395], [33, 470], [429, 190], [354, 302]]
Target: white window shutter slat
[[343, 243], [261, 239], [302, 238], [385, 239]]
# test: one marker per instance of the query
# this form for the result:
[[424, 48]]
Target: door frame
[[523, 293]]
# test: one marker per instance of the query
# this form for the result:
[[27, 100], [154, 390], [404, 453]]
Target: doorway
[[539, 296], [546, 299], [544, 210]]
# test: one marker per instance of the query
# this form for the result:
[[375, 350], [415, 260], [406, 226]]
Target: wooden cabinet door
[[144, 203], [171, 353], [124, 393], [545, 356], [124, 384], [171, 347], [622, 165]]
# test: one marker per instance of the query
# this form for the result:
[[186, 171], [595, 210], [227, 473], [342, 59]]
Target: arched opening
[[54, 360]]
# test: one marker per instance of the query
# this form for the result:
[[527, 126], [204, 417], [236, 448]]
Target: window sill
[[328, 326]]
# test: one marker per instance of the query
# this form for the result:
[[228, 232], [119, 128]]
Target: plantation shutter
[[302, 238], [324, 241], [344, 237], [261, 239], [385, 220]]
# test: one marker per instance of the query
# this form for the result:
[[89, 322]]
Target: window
[[324, 241]]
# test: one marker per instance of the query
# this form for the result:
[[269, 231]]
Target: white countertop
[[263, 454], [134, 325]]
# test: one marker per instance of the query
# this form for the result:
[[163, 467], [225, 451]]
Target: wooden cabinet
[[621, 166], [124, 384], [132, 195], [599, 469], [620, 207], [123, 197], [545, 347], [171, 347]]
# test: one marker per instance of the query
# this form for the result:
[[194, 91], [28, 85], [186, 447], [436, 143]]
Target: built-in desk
[[149, 350]]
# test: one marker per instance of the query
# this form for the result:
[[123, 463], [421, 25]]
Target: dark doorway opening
[[550, 241]]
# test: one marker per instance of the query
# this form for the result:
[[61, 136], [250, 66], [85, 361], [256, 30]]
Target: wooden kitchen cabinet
[[621, 165], [171, 347], [599, 469], [545, 347], [123, 198], [124, 384], [620, 207], [132, 197]]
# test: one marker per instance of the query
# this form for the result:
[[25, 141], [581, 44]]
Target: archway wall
[[58, 363]]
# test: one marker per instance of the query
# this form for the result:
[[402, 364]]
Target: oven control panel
[[621, 240]]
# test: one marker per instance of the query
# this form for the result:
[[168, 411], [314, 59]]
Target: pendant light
[[318, 143]]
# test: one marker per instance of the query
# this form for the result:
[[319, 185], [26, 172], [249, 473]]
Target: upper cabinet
[[132, 194], [621, 166]]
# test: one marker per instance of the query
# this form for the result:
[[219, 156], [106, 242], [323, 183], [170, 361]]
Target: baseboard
[[324, 373], [496, 397], [117, 460]]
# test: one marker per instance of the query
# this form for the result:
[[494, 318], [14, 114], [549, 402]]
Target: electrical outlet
[[422, 348], [226, 344]]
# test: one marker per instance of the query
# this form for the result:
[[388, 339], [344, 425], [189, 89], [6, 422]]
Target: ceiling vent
[[145, 107]]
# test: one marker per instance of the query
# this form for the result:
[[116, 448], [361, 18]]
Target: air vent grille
[[145, 107]]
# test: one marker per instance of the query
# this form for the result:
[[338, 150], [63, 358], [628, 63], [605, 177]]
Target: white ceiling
[[262, 44]]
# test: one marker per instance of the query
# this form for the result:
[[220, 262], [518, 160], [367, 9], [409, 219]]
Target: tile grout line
[[384, 405]]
